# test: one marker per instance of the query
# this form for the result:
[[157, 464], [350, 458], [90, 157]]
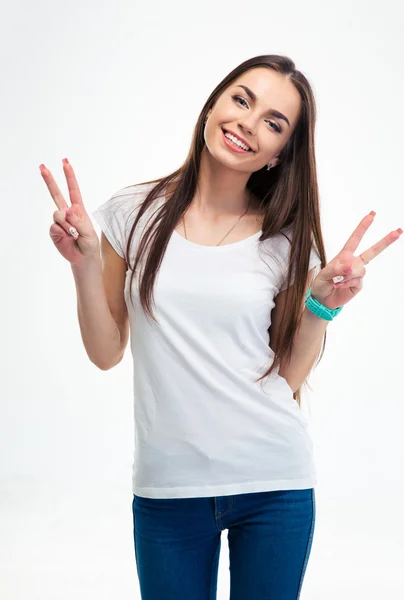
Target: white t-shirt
[[203, 425]]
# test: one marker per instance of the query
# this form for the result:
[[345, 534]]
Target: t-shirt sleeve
[[113, 218], [110, 225], [283, 248]]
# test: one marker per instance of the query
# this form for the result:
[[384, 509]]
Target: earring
[[269, 167]]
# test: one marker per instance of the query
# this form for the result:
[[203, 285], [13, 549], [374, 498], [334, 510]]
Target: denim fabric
[[177, 544]]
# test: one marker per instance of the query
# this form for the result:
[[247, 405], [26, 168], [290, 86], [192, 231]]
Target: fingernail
[[65, 161], [372, 212], [73, 232]]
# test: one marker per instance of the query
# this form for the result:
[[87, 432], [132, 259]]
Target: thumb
[[344, 269], [70, 214], [76, 220]]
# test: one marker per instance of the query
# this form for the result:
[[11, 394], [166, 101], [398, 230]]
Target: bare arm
[[306, 348], [307, 341], [101, 307]]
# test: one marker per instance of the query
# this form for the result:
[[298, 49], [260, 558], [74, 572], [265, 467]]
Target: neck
[[221, 191]]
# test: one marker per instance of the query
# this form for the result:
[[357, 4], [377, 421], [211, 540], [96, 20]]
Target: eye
[[239, 98], [276, 126]]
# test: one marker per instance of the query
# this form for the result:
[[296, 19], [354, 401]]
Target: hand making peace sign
[[72, 231], [352, 268]]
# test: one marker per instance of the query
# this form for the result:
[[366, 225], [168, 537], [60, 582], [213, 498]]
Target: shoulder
[[117, 215], [280, 241], [130, 196], [125, 202]]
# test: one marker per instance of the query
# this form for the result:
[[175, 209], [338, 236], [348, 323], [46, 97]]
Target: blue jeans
[[177, 544]]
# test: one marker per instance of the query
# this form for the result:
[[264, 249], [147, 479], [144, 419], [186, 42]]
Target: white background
[[117, 88]]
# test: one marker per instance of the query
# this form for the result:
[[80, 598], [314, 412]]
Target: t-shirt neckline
[[201, 247]]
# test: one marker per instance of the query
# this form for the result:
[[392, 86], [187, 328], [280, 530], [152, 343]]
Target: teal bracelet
[[319, 309]]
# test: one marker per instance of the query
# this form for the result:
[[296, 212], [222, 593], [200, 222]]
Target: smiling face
[[264, 122]]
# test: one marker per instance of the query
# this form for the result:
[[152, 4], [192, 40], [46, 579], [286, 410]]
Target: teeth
[[236, 141]]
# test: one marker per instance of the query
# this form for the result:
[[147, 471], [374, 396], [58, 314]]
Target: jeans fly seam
[[220, 515]]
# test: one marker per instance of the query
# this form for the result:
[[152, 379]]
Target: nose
[[247, 126]]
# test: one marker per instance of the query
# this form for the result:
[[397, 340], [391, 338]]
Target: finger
[[53, 187], [59, 219], [356, 283], [80, 224], [72, 184], [358, 271], [355, 239], [381, 245], [343, 270], [56, 232]]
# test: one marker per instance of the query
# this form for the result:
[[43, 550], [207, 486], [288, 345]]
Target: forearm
[[306, 348], [99, 331]]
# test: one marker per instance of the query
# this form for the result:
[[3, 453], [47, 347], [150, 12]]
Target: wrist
[[88, 264], [320, 309], [315, 319], [316, 294]]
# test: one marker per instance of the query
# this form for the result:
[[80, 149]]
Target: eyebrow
[[272, 111]]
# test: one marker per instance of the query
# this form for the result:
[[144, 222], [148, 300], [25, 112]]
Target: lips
[[238, 137]]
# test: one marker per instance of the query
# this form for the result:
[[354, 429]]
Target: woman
[[227, 248]]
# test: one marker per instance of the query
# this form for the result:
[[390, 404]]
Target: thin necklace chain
[[249, 202]]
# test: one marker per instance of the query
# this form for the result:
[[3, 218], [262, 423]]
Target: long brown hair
[[288, 193]]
